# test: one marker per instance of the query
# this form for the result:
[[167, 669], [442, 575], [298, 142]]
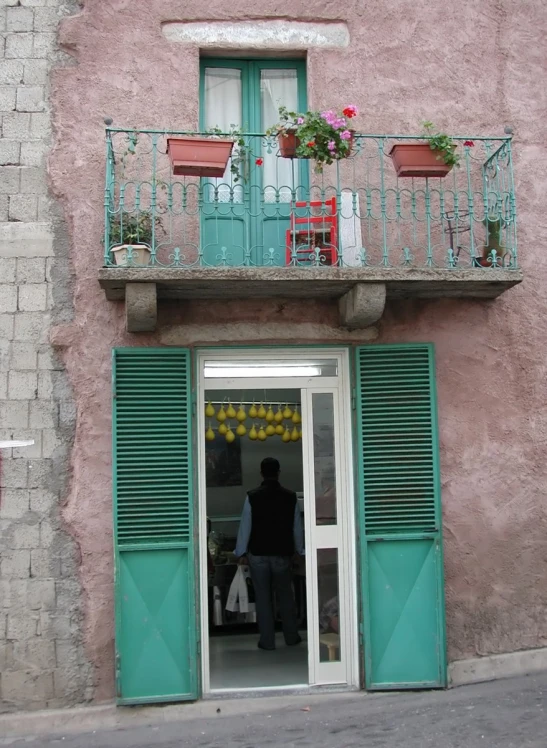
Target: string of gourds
[[274, 423]]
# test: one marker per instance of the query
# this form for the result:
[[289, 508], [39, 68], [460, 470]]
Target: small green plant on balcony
[[129, 228], [242, 156], [442, 144], [324, 136]]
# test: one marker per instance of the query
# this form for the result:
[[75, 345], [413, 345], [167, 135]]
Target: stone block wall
[[42, 663]]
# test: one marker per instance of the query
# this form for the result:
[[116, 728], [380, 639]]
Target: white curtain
[[277, 88], [222, 110]]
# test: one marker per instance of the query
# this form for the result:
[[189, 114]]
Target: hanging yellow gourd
[[279, 415], [294, 435], [261, 413], [286, 436], [231, 411], [241, 415], [253, 434], [280, 429], [270, 429], [262, 435], [287, 413], [300, 433], [296, 416], [209, 410], [230, 436], [269, 415], [253, 412], [223, 429], [221, 415], [210, 434], [241, 430]]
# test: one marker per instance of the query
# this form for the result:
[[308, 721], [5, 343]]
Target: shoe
[[266, 649], [293, 644]]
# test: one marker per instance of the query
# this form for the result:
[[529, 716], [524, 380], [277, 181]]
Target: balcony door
[[245, 213]]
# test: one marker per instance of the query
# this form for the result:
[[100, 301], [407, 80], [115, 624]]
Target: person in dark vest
[[270, 533]]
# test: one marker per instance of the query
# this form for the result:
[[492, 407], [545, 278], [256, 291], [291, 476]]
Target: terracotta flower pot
[[418, 160], [288, 143], [140, 254], [199, 157]]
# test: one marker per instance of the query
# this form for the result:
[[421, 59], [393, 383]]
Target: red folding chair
[[316, 230]]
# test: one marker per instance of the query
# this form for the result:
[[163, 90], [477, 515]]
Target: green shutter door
[[156, 650], [400, 518]]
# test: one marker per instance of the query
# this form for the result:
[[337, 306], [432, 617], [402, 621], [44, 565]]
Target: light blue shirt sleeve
[[244, 532], [298, 532]]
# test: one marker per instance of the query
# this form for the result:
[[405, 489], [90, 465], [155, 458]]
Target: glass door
[[245, 213], [325, 485]]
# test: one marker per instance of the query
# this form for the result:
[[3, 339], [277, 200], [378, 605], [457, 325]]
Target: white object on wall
[[16, 443], [351, 241]]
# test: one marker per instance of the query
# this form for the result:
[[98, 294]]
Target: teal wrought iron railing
[[272, 211]]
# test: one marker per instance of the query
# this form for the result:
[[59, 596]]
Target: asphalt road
[[504, 714]]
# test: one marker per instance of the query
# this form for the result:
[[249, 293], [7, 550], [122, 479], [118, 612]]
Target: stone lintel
[[141, 307], [362, 306]]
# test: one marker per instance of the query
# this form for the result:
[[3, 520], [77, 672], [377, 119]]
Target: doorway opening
[[294, 408], [243, 427]]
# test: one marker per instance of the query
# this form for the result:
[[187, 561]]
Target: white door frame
[[348, 591]]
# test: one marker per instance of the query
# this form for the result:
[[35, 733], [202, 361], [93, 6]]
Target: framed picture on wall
[[223, 463]]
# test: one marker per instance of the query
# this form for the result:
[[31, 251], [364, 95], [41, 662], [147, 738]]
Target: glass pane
[[324, 459], [223, 109], [329, 605], [277, 88], [272, 368]]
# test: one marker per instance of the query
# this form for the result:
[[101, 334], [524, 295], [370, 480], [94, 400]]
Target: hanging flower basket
[[289, 142], [199, 157], [324, 137], [418, 160]]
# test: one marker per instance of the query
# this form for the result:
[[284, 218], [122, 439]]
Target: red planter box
[[199, 157], [417, 160]]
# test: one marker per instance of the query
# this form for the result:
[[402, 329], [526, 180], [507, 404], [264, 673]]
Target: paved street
[[504, 714]]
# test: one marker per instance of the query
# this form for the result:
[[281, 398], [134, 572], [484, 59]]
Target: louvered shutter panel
[[400, 517], [156, 652], [152, 446], [399, 460]]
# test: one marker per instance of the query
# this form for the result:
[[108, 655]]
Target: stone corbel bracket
[[362, 306], [141, 307]]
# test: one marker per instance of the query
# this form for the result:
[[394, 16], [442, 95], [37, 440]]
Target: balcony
[[273, 227]]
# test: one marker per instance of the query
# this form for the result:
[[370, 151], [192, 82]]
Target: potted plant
[[195, 156], [434, 158], [324, 137], [131, 238], [493, 251]]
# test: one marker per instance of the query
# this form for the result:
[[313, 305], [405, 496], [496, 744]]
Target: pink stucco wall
[[471, 67]]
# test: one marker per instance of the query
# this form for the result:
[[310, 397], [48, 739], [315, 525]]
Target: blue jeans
[[272, 574]]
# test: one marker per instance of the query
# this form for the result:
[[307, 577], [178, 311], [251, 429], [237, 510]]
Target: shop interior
[[241, 429]]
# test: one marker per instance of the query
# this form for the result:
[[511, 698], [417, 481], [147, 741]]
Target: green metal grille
[[152, 471], [397, 426]]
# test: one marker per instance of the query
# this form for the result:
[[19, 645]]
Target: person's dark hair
[[270, 467]]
